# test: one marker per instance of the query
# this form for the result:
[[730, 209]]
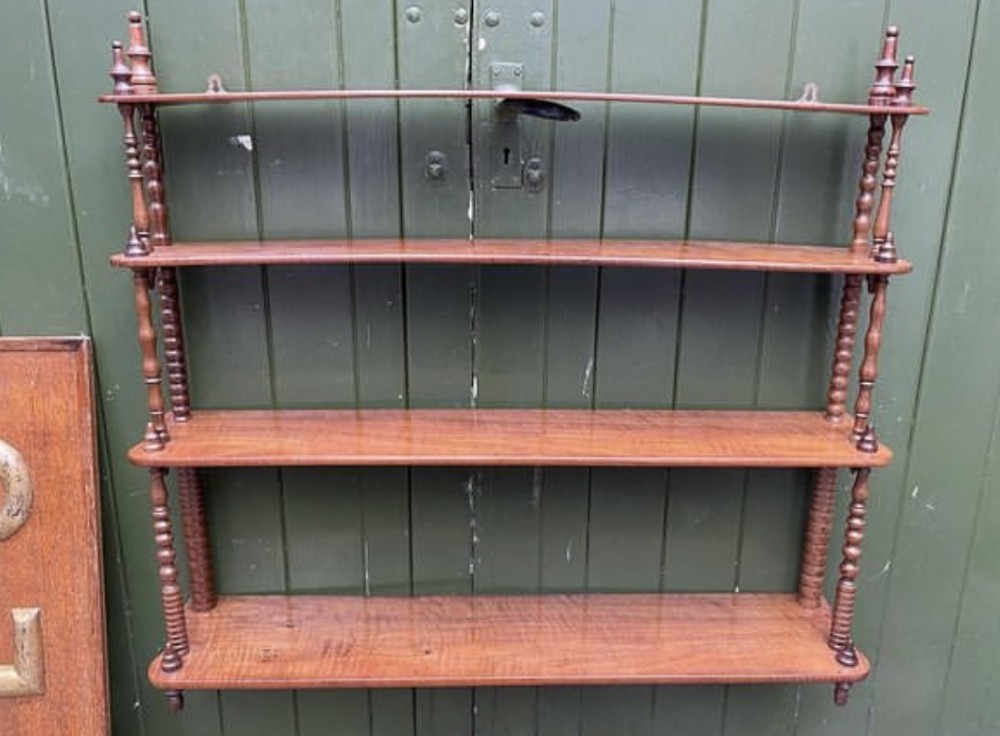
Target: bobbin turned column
[[841, 639], [817, 538]]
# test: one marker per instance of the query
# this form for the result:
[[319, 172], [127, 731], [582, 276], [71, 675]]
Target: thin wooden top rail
[[223, 98], [263, 642], [645, 253], [527, 437]]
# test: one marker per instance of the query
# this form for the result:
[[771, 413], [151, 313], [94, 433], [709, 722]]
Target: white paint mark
[[963, 301], [930, 507], [474, 391], [368, 587], [915, 492], [242, 141], [9, 189], [482, 44], [569, 550], [588, 370], [884, 571]]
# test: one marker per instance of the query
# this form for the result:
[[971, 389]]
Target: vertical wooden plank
[[40, 282], [645, 194], [966, 704], [225, 309], [837, 44], [303, 179], [713, 515], [432, 52], [510, 324], [939, 494], [46, 117]]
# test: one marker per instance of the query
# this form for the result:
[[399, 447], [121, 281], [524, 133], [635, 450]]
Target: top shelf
[[223, 98]]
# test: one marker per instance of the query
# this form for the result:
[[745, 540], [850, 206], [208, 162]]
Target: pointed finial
[[883, 91], [905, 86], [143, 81], [887, 250], [120, 72], [134, 246]]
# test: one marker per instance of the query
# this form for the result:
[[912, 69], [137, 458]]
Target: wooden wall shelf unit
[[345, 641]]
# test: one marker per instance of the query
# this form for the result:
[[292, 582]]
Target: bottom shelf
[[257, 642]]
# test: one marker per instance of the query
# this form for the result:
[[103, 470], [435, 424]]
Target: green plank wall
[[566, 337]]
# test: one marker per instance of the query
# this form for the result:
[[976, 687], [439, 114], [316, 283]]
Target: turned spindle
[[887, 252], [120, 73], [904, 97], [841, 640], [174, 354], [156, 430], [143, 81], [817, 538], [868, 373], [843, 351], [199, 552], [881, 93], [170, 589], [159, 236]]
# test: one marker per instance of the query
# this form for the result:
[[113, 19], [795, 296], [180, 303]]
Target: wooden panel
[[262, 642], [509, 437], [48, 486], [662, 253]]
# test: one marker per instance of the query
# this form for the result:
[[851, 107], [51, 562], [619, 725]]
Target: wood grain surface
[[720, 255], [347, 641], [606, 437], [53, 562]]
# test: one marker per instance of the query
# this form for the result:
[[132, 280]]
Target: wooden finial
[[175, 701], [135, 246], [887, 250], [120, 71], [883, 90], [143, 81], [905, 86], [868, 441]]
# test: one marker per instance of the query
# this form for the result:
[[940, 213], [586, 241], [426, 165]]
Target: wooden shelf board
[[222, 98], [547, 437], [261, 642], [642, 253]]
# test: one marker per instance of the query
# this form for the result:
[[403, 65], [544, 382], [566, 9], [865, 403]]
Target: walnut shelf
[[639, 253], [260, 642], [623, 437], [312, 642]]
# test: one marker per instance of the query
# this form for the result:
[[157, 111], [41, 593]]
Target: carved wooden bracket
[[27, 675], [15, 491]]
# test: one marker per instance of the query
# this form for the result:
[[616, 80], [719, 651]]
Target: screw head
[[537, 19], [413, 14], [461, 16], [492, 18]]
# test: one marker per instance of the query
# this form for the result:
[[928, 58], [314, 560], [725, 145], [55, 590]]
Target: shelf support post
[[170, 589], [841, 639], [156, 434], [843, 352], [863, 430], [817, 538], [904, 89], [881, 94], [199, 553]]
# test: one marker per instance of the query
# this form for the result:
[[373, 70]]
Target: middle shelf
[[546, 437]]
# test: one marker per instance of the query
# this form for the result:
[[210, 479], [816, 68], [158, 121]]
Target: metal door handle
[[15, 491], [512, 107], [27, 675]]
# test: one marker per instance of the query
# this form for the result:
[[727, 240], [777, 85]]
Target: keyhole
[[506, 156]]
